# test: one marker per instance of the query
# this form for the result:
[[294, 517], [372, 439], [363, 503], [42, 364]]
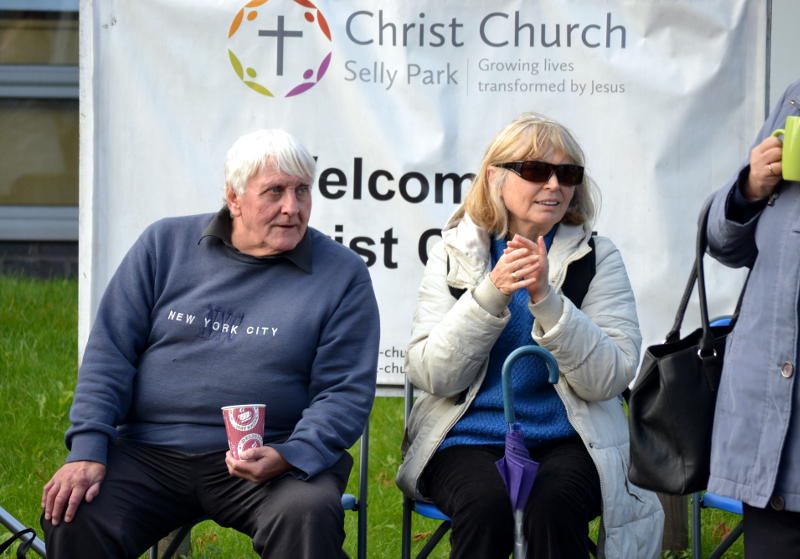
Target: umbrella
[[516, 467]]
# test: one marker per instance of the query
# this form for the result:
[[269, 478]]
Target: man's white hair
[[277, 148]]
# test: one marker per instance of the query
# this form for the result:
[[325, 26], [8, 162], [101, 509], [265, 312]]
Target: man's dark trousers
[[150, 491]]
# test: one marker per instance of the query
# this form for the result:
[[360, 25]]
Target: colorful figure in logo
[[285, 33]]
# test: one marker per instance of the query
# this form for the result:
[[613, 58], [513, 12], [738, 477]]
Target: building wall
[[39, 137]]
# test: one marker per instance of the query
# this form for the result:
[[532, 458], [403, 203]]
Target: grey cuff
[[489, 298], [89, 445], [548, 310]]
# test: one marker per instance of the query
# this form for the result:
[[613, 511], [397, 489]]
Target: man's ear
[[233, 202]]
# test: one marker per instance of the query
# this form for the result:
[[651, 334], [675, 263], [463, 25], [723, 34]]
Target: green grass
[[38, 340], [38, 369]]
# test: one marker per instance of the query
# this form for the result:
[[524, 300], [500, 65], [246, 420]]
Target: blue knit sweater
[[189, 324], [537, 406]]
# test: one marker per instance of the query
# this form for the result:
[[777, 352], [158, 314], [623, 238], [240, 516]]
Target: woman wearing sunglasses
[[493, 284]]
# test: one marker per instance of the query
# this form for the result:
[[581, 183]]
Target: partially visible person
[[754, 222], [508, 247], [248, 305]]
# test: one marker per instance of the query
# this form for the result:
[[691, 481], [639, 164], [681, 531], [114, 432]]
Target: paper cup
[[244, 425]]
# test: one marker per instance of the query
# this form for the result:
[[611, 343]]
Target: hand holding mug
[[765, 169], [772, 160]]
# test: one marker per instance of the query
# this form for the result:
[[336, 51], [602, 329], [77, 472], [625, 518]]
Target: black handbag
[[671, 405]]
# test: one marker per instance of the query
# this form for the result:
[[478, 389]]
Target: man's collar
[[221, 227]]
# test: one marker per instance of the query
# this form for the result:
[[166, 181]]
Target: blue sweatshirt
[[189, 324]]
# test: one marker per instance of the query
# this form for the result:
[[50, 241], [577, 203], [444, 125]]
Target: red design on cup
[[244, 425], [250, 440]]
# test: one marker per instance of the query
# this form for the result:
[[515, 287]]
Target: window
[[38, 119]]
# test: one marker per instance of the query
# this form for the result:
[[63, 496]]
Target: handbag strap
[[707, 342], [706, 350], [697, 275], [24, 546], [675, 332]]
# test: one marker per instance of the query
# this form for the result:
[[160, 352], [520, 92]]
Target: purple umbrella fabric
[[517, 468]]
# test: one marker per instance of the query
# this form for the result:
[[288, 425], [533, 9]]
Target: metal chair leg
[[434, 539], [362, 493], [178, 537], [727, 542], [696, 537], [406, 535]]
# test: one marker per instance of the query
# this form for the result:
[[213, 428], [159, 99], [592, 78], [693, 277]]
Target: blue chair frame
[[411, 506], [350, 502], [712, 500]]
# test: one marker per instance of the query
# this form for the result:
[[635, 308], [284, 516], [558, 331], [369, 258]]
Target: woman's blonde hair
[[529, 137]]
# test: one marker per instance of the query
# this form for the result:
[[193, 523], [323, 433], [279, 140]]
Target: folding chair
[[349, 502], [411, 506], [712, 500], [15, 526]]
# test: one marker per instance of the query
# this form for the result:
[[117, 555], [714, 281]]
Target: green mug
[[790, 162]]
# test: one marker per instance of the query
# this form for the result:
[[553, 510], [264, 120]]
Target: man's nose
[[289, 203]]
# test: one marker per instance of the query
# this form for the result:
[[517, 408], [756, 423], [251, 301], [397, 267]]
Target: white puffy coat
[[597, 349]]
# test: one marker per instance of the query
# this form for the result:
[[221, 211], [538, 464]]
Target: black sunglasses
[[541, 171]]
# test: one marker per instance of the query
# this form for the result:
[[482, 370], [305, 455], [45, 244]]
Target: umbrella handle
[[552, 374]]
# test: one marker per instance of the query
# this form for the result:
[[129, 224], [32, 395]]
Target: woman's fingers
[[523, 265]]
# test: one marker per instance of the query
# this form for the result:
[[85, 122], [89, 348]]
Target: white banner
[[398, 101]]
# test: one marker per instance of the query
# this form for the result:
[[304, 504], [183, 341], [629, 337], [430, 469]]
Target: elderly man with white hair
[[248, 305]]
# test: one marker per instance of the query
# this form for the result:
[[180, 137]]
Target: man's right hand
[[72, 483]]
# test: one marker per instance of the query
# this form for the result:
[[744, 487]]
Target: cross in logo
[[280, 33]]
